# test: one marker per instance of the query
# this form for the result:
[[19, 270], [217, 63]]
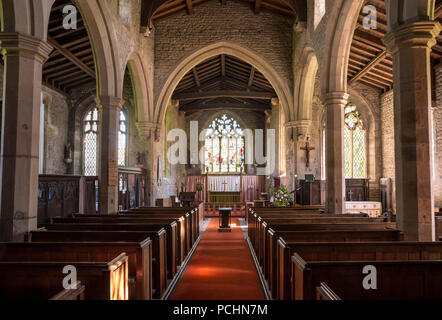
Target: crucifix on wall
[[224, 183], [307, 150]]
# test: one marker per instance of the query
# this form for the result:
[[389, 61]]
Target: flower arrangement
[[281, 196]]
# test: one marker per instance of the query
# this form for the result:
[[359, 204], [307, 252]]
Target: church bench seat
[[159, 263], [71, 294], [258, 232], [269, 239], [286, 239], [176, 228], [324, 293], [396, 280], [42, 280], [139, 258], [364, 251], [192, 219], [173, 258]]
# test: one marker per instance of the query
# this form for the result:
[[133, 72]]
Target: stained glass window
[[355, 144], [122, 139], [224, 146], [90, 142]]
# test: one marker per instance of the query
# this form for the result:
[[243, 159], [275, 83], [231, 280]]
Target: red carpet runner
[[220, 269]]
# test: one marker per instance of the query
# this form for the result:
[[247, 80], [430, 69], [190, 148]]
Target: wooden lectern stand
[[225, 219]]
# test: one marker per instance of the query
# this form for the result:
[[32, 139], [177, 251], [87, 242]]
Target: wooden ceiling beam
[[378, 59], [224, 94], [189, 6], [71, 57], [224, 106], [252, 76], [258, 4]]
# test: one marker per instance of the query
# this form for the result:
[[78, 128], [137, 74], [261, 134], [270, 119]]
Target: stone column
[[109, 127], [334, 104], [410, 46], [24, 57]]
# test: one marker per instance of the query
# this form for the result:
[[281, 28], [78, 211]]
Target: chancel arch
[[214, 50]]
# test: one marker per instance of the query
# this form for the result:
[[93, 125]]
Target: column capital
[[417, 34], [298, 124], [149, 130], [109, 102], [19, 44], [338, 97]]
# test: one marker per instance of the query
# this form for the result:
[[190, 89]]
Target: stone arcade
[[335, 104]]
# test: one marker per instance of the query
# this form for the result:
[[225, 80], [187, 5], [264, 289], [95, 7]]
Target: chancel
[[131, 136]]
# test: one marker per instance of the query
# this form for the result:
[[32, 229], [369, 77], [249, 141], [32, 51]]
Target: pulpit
[[309, 193], [187, 199], [225, 219]]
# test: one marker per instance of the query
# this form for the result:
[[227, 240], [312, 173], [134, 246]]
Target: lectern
[[225, 219]]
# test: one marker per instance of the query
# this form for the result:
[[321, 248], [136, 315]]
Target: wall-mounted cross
[[307, 150]]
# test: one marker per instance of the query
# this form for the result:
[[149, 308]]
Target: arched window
[[90, 144], [224, 148], [122, 139], [355, 144]]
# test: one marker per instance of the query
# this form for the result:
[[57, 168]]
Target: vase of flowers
[[281, 197]]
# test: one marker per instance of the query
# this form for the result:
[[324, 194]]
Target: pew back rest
[[42, 280], [373, 251], [345, 277], [323, 292], [286, 238]]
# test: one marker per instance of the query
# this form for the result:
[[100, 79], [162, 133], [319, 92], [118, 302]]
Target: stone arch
[[339, 37], [140, 85], [103, 46], [195, 58], [26, 17], [305, 85]]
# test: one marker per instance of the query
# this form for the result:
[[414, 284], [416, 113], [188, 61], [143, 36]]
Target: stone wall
[[172, 177], [56, 119], [388, 151], [437, 135], [267, 34]]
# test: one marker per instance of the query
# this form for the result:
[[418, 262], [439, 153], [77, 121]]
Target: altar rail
[[212, 209], [62, 195]]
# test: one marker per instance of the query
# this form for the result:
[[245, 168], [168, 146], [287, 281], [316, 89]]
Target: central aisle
[[221, 269]]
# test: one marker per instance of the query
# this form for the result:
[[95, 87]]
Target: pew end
[[71, 294], [324, 293]]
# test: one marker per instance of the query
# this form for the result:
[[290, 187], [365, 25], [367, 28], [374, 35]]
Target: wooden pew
[[159, 265], [365, 251], [256, 220], [288, 239], [269, 247], [173, 257], [139, 258], [36, 280], [261, 236], [192, 213], [324, 293], [184, 230], [71, 294], [264, 223], [191, 220]]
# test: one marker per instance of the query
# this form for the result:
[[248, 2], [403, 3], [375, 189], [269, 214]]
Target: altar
[[226, 197]]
